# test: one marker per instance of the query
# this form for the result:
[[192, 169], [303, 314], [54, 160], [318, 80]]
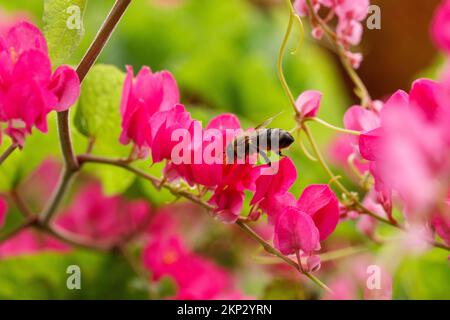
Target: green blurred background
[[223, 54]]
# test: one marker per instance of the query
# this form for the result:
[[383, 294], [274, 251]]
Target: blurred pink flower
[[142, 97], [28, 90], [196, 278], [30, 242], [440, 27], [350, 13], [360, 119], [441, 223], [409, 152], [105, 219], [3, 211], [308, 103], [9, 19]]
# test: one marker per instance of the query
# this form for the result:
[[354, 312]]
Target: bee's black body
[[258, 141]]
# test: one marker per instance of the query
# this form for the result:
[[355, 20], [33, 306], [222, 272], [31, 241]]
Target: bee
[[260, 140]]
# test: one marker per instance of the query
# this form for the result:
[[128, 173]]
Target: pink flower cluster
[[299, 225], [349, 29], [409, 152], [195, 277], [28, 89], [405, 145], [151, 113], [105, 220]]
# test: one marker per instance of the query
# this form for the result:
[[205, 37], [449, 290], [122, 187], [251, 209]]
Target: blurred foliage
[[223, 55]]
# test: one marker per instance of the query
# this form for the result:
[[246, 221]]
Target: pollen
[[170, 257], [14, 55]]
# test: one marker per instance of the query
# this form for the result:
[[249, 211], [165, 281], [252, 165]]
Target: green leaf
[[63, 27], [98, 109], [98, 117]]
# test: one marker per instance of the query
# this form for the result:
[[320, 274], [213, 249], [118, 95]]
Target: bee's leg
[[266, 158]]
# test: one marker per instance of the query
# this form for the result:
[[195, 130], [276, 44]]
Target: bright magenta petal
[[320, 202], [65, 84], [295, 231], [308, 103]]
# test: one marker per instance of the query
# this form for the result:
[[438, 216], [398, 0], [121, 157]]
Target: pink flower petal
[[24, 36], [370, 144], [276, 184], [320, 202], [65, 84], [295, 231], [360, 119], [308, 103]]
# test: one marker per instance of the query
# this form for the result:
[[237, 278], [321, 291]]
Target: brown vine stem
[[7, 153], [158, 183], [71, 165]]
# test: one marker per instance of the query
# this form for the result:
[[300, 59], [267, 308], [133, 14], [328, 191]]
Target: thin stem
[[7, 153], [271, 250], [70, 160], [187, 195], [336, 181], [363, 93], [333, 127], [58, 195], [17, 230], [304, 149], [102, 37], [21, 204], [74, 239], [157, 183], [280, 58]]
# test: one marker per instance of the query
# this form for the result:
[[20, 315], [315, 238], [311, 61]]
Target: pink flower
[[9, 19], [196, 277], [350, 31], [268, 186], [355, 59], [228, 204], [360, 119], [351, 9], [3, 211], [105, 219], [366, 223], [322, 205], [275, 205], [342, 147], [142, 97], [30, 242], [295, 232], [440, 27], [308, 103], [163, 124], [28, 90], [441, 224], [409, 152]]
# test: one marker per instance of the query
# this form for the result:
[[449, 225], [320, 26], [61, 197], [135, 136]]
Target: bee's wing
[[268, 121]]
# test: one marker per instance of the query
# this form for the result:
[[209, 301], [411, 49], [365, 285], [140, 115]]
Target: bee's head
[[286, 139]]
